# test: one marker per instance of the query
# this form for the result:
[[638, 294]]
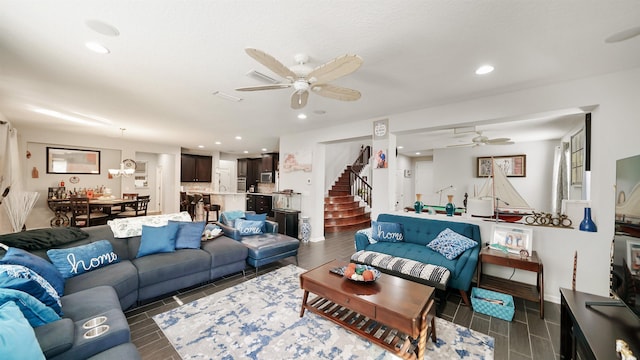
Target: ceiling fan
[[303, 78], [481, 140]]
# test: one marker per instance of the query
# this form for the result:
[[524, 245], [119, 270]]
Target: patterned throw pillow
[[451, 244], [80, 259], [249, 227], [41, 266], [128, 227], [21, 278], [229, 217], [387, 231]]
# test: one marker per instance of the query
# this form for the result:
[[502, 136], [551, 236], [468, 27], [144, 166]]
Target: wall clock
[[129, 164]]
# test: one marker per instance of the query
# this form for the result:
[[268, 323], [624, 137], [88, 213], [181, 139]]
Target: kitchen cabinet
[[259, 203], [253, 171], [270, 162], [195, 168]]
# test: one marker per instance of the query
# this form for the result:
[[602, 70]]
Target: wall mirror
[[72, 161]]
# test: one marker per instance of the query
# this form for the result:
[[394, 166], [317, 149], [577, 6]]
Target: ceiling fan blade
[[299, 99], [497, 140], [264, 87], [271, 63], [502, 143], [336, 92], [336, 68], [462, 145]]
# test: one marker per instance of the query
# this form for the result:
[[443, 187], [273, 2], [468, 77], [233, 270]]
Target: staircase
[[342, 211]]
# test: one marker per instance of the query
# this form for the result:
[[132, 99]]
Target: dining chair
[[141, 206], [120, 208], [81, 214]]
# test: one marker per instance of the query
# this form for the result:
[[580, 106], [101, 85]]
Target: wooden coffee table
[[391, 312]]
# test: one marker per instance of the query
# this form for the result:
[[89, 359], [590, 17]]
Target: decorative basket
[[486, 302]]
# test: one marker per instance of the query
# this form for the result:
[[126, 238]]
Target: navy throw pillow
[[387, 231], [161, 239], [189, 234], [80, 259], [46, 269], [21, 278], [36, 312]]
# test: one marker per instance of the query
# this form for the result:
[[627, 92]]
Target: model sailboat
[[499, 199]]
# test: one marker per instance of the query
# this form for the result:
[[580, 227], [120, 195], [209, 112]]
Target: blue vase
[[418, 205], [450, 207], [587, 224]]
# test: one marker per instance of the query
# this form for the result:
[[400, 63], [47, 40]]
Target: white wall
[[615, 126], [457, 167]]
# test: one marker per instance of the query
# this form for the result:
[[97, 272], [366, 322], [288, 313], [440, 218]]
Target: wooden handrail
[[359, 185]]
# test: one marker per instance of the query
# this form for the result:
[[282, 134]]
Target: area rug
[[259, 319]]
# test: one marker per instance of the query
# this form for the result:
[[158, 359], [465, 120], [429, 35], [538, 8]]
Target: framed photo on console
[[512, 238]]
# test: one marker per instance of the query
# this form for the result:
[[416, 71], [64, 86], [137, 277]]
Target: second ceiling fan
[[481, 140], [302, 78]]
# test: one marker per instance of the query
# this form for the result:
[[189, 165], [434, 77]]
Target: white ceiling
[[170, 56]]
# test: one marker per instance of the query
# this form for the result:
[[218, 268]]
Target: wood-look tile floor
[[526, 337]]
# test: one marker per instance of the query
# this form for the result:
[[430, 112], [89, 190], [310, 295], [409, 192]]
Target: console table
[[521, 290], [591, 332]]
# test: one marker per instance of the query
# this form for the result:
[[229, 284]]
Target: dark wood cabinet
[[287, 221], [591, 324], [270, 162], [259, 203], [195, 168], [253, 171]]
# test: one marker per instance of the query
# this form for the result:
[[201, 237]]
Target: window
[[577, 157]]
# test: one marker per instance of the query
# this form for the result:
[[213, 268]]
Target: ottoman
[[267, 248]]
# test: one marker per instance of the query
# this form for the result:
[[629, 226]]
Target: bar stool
[[208, 207]]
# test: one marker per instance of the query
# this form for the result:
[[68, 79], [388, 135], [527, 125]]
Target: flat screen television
[[625, 272]]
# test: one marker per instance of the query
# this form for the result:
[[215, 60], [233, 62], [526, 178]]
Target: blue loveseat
[[418, 232]]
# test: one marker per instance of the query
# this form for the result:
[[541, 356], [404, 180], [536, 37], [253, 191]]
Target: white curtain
[[560, 186], [16, 202]]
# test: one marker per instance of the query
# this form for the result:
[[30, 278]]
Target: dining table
[[61, 208]]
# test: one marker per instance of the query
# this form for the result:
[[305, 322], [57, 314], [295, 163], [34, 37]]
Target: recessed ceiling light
[[102, 27], [238, 137], [400, 147], [246, 151], [201, 146], [217, 143], [302, 116], [264, 149], [95, 47], [623, 35], [484, 69], [418, 153]]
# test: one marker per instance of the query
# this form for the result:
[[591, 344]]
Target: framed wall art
[[511, 165], [72, 161]]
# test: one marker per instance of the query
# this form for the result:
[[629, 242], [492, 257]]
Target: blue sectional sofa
[[418, 232], [108, 290]]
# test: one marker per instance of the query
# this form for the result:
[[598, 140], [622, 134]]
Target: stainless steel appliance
[[266, 177], [242, 184]]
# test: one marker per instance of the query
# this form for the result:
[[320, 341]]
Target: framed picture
[[72, 161], [633, 255], [511, 165], [512, 238]]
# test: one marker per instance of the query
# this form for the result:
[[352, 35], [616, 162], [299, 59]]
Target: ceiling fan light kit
[[302, 77]]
